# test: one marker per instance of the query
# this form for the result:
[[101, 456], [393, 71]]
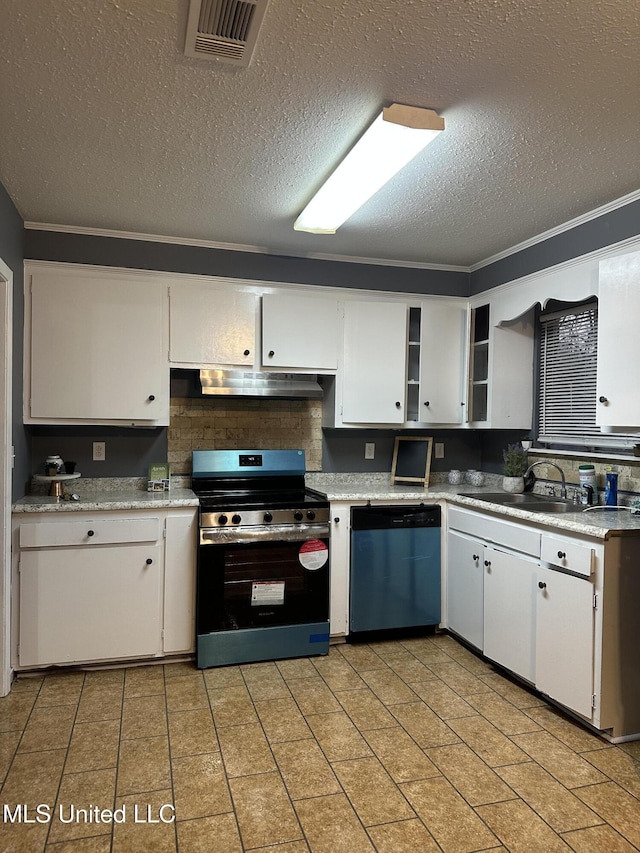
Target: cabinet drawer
[[92, 531], [495, 530], [578, 557]]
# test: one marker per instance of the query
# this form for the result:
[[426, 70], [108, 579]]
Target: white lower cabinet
[[97, 586], [340, 551], [465, 608]]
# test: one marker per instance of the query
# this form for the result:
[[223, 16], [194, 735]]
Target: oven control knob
[[222, 519], [268, 516], [311, 514], [297, 515], [236, 519]]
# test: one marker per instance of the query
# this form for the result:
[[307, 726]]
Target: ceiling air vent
[[224, 29]]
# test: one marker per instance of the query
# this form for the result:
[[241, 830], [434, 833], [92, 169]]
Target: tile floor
[[398, 746]]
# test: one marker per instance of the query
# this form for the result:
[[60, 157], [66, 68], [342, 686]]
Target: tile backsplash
[[628, 471], [242, 423]]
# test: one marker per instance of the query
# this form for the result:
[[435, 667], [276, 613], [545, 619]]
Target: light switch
[[369, 450], [439, 450]]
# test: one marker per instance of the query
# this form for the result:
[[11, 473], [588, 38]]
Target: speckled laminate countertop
[[110, 494], [599, 523]]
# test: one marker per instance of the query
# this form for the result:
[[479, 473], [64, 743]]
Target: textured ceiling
[[106, 124]]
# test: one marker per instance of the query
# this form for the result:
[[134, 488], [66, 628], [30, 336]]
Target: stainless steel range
[[263, 558]]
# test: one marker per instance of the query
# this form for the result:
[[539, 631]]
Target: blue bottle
[[611, 489]]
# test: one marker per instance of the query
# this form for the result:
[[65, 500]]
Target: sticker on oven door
[[313, 554], [267, 592]]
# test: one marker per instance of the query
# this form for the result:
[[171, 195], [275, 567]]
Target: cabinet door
[[212, 324], [618, 343], [299, 331], [564, 639], [374, 368], [464, 588], [180, 581], [509, 611], [340, 539], [98, 349], [90, 603], [443, 328]]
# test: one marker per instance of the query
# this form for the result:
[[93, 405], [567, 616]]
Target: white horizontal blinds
[[568, 352]]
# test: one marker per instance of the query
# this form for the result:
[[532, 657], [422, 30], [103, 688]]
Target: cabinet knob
[[149, 561], [476, 557], [561, 555], [336, 520], [398, 404], [152, 397], [271, 353], [247, 352], [90, 533], [487, 563], [602, 400], [426, 403], [542, 585]]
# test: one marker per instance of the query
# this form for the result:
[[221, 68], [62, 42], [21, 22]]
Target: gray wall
[[12, 253]]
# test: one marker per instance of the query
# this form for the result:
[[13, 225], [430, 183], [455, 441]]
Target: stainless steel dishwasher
[[395, 568]]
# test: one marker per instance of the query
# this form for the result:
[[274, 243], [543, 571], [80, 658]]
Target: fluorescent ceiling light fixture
[[392, 140]]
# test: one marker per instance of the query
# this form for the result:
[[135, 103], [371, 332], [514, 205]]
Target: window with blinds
[[567, 371]]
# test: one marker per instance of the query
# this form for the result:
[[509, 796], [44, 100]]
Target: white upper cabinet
[[212, 324], [374, 362], [299, 332], [95, 348], [618, 342]]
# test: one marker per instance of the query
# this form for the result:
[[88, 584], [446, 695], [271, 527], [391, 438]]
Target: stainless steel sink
[[526, 500]]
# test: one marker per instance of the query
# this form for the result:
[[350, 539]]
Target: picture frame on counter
[[159, 477], [411, 460]]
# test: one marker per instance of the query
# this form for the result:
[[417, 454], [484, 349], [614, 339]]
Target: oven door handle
[[277, 533]]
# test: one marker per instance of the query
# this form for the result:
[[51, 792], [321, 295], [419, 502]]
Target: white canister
[[455, 477], [53, 462], [587, 474]]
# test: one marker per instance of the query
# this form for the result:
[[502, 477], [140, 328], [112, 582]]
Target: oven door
[[262, 577]]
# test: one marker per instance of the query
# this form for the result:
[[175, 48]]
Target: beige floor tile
[[305, 770], [514, 693], [192, 732], [281, 720], [143, 681], [113, 678], [388, 687], [567, 767], [331, 825], [245, 750], [296, 668], [176, 669], [361, 657], [78, 792], [138, 833], [338, 737], [446, 643], [502, 714], [494, 748], [94, 746], [618, 766], [143, 765], [549, 799], [632, 748], [269, 688], [15, 709], [469, 660], [60, 689], [223, 676], [425, 727], [288, 847], [616, 806], [34, 777], [100, 702], [338, 673], [313, 696], [464, 683], [451, 821], [8, 746], [404, 836], [520, 829], [469, 775], [444, 701], [400, 755], [200, 786], [217, 834], [597, 839], [48, 728], [95, 844], [572, 734], [144, 716], [410, 669], [186, 693], [426, 652], [27, 681], [365, 709], [372, 792], [264, 811], [390, 650], [232, 706], [23, 838]]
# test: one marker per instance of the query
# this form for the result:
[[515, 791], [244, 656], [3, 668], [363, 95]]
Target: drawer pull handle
[[90, 533], [152, 397], [542, 585], [487, 563], [602, 400], [271, 353], [398, 404], [427, 404], [149, 561], [336, 520], [246, 352], [476, 557], [562, 555]]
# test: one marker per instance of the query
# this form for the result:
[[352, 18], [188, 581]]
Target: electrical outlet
[[99, 451], [369, 450], [439, 450]]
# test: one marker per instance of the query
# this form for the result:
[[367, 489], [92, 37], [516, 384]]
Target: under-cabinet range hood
[[240, 383]]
